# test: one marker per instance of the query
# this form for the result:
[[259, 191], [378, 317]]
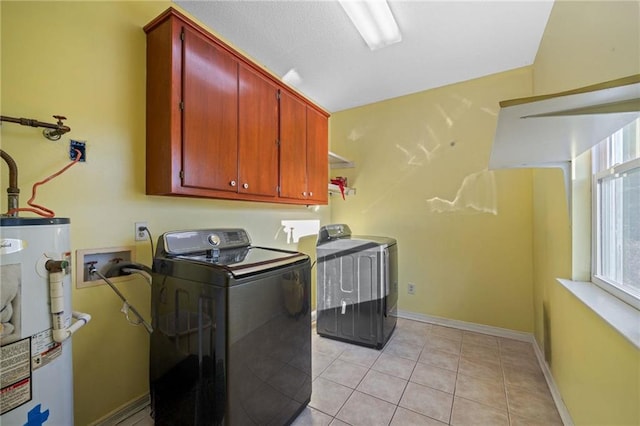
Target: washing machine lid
[[339, 236], [227, 249], [245, 261], [176, 243], [381, 241], [333, 232]]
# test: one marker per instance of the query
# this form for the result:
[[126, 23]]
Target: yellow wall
[[86, 60], [470, 260], [597, 371], [551, 256]]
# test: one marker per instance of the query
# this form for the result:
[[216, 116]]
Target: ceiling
[[443, 42]]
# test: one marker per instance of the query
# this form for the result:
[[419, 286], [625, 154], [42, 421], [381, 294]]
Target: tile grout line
[[455, 384], [424, 344], [407, 384], [356, 388], [324, 378], [504, 382]]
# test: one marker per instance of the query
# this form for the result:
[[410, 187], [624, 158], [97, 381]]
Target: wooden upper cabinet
[[303, 151], [214, 123], [258, 134], [317, 155], [163, 115], [293, 147], [210, 115]]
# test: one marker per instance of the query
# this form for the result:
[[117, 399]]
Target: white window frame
[[623, 292]]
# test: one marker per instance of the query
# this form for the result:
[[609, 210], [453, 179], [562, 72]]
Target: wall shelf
[[556, 128], [552, 130], [335, 189], [338, 162]]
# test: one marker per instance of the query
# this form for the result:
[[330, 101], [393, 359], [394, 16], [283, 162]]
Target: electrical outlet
[[411, 288], [81, 147], [140, 234]]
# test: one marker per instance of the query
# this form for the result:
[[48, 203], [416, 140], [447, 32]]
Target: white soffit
[[554, 129]]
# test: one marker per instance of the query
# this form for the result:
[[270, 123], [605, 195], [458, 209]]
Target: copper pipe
[[58, 129], [12, 191]]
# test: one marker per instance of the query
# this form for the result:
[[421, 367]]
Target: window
[[616, 214]]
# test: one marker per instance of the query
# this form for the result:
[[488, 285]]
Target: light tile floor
[[141, 418], [426, 375]]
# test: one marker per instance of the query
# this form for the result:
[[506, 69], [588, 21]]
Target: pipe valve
[[57, 266], [56, 133]]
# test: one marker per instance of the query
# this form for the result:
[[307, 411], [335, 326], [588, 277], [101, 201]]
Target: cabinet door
[[317, 156], [210, 115], [293, 147], [258, 134]]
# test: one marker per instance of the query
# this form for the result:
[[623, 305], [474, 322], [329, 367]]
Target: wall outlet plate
[[80, 146], [411, 288], [140, 235]]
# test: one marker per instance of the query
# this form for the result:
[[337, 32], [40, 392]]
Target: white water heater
[[36, 372]]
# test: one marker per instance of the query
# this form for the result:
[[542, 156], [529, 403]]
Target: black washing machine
[[357, 286], [231, 341]]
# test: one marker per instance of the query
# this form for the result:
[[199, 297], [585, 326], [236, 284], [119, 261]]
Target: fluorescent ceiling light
[[374, 21]]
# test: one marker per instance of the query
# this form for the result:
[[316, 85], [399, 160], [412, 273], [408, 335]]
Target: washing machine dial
[[214, 240]]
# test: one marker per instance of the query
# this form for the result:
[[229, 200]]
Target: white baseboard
[[555, 392], [469, 326], [509, 334], [124, 412]]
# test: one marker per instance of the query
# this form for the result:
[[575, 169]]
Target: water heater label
[[44, 349], [15, 375], [11, 245]]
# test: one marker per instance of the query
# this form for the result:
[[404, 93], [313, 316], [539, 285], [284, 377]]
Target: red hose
[[41, 210]]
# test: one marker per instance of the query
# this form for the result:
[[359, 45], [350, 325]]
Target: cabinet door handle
[[310, 194], [304, 194], [232, 183], [245, 185]]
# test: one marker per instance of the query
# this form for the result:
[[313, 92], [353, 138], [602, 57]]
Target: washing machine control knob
[[214, 240]]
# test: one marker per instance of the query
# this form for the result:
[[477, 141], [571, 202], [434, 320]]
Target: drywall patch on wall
[[477, 194]]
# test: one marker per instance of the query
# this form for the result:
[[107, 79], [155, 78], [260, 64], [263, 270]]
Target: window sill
[[622, 317]]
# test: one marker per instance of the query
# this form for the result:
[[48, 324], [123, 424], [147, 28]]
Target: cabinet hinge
[[278, 142], [181, 174], [278, 94], [278, 189], [181, 105], [182, 35]]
